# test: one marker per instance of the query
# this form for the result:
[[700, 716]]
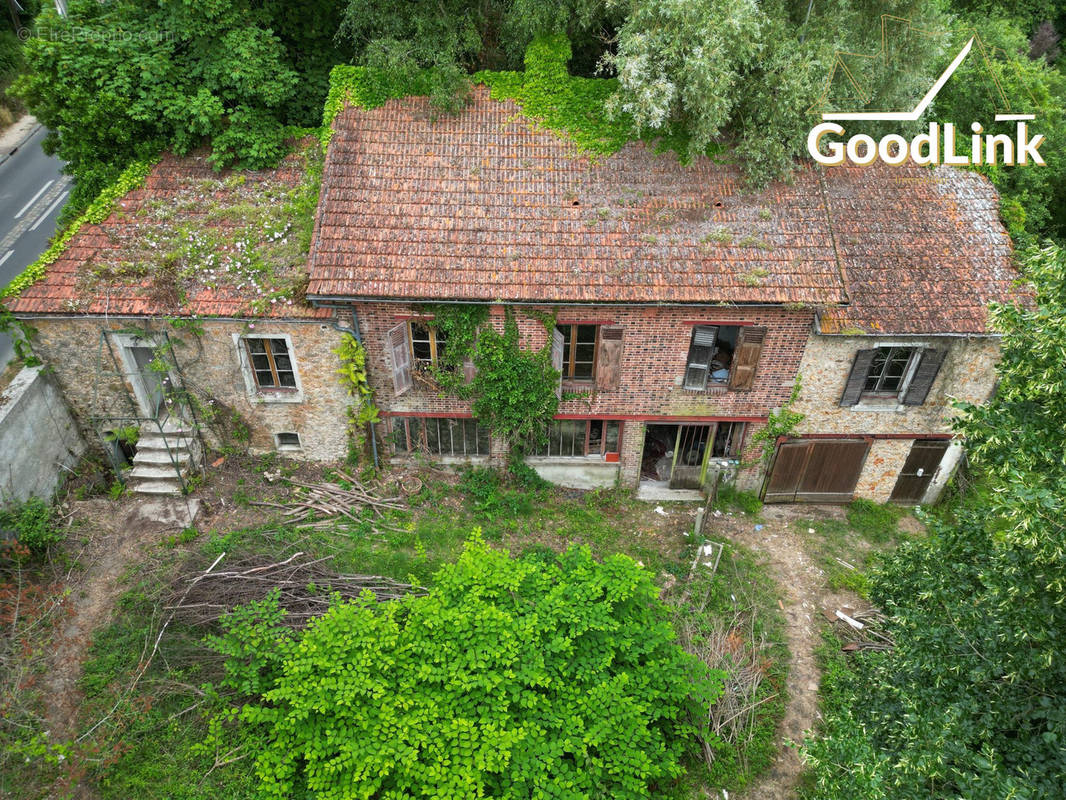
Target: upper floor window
[[271, 363], [723, 355], [893, 374], [427, 343], [579, 351]]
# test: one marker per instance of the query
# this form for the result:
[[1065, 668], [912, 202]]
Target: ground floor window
[[440, 436], [580, 438]]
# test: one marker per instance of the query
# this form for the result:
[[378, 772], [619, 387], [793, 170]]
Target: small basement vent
[[288, 441]]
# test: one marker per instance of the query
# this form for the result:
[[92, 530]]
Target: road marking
[[51, 208], [7, 255], [40, 191]]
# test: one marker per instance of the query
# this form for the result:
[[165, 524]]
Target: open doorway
[[676, 456]]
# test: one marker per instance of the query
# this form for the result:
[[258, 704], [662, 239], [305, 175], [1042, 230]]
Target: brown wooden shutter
[[698, 367], [860, 369], [609, 359], [400, 347], [746, 359], [557, 358], [923, 378]]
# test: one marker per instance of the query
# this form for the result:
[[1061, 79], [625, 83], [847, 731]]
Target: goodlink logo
[[939, 145]]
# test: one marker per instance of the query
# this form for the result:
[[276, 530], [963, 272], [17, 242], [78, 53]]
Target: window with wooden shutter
[[609, 359], [700, 350], [400, 347], [860, 369], [558, 347], [746, 359], [923, 378]]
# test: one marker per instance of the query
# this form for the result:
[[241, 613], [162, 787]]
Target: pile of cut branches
[[306, 588], [330, 500], [860, 630]]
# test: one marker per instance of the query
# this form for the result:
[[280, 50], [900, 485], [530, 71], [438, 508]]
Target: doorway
[[149, 385], [816, 471], [675, 456], [918, 471]]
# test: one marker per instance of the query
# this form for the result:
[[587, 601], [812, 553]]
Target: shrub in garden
[[512, 678]]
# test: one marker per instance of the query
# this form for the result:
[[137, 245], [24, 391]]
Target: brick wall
[[211, 368], [655, 349]]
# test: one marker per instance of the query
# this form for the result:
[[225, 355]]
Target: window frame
[[876, 394], [708, 380], [416, 436], [268, 394], [435, 344], [586, 453], [570, 350], [275, 372]]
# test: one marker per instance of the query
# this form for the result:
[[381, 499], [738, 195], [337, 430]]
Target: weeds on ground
[[729, 498]]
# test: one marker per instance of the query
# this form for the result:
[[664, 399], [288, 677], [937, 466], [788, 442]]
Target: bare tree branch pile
[[306, 587], [331, 500], [860, 630]]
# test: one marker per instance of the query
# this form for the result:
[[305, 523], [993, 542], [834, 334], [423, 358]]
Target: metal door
[[921, 465], [816, 471]]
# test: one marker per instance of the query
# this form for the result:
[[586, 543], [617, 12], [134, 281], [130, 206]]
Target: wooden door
[[690, 456], [918, 470], [816, 471]]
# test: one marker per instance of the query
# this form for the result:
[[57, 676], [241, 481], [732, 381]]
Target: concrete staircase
[[163, 457]]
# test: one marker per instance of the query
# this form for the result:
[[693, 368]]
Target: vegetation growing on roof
[[233, 231]]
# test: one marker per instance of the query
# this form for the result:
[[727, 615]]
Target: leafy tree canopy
[[512, 678], [971, 703]]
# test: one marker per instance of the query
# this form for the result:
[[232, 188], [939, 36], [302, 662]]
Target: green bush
[[730, 497], [33, 524], [512, 678]]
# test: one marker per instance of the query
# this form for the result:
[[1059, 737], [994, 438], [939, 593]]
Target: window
[[271, 363], [440, 436], [287, 441], [887, 371], [723, 355], [892, 374], [579, 351], [580, 438], [427, 343], [728, 437]]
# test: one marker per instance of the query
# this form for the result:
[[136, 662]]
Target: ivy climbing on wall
[[353, 377]]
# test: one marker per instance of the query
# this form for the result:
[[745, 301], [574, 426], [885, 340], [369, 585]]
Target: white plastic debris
[[660, 510]]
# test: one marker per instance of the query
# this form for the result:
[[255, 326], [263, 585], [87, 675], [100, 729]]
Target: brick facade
[[655, 349]]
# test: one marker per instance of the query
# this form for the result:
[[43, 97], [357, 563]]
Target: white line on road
[[25, 208], [51, 208], [7, 255]]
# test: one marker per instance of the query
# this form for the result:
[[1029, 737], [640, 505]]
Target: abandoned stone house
[[685, 309]]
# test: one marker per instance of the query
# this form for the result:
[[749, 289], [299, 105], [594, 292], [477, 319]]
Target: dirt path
[[804, 595], [118, 535]]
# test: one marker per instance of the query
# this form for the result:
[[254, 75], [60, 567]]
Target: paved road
[[32, 192]]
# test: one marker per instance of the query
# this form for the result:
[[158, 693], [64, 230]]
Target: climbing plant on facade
[[353, 377]]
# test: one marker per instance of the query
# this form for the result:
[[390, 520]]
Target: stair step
[[153, 472], [158, 487], [152, 457], [154, 441]]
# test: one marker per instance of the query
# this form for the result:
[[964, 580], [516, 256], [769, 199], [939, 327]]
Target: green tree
[[972, 702], [510, 679], [116, 81]]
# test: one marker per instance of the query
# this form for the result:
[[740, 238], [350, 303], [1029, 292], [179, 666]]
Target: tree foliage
[[510, 679], [972, 702], [116, 81]]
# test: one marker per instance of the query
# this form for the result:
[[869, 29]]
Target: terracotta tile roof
[[69, 288], [484, 205], [923, 250]]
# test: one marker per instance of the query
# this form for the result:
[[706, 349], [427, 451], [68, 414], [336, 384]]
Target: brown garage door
[[816, 471], [918, 470]]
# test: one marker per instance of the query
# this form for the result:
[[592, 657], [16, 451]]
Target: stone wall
[[39, 439], [210, 367], [967, 373]]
